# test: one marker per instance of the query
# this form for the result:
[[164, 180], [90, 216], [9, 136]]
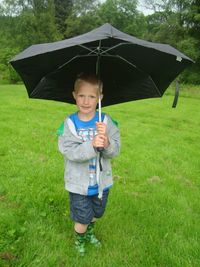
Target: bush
[[191, 75], [7, 73]]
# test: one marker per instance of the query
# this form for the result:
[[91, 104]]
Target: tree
[[25, 22], [193, 19], [123, 14], [62, 11], [34, 21], [83, 17], [193, 24], [170, 24], [7, 73]]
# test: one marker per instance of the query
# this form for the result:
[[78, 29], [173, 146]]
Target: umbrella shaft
[[100, 119]]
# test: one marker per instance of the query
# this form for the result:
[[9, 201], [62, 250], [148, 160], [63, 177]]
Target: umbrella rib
[[157, 90], [78, 56], [101, 50], [36, 89], [91, 50], [113, 47], [125, 61], [129, 63], [155, 86], [67, 62], [98, 59]]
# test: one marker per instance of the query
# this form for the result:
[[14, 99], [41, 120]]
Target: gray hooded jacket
[[78, 153]]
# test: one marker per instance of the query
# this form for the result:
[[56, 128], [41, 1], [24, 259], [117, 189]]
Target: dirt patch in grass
[[7, 256]]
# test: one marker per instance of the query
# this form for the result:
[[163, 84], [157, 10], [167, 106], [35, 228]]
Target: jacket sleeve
[[114, 139], [73, 148]]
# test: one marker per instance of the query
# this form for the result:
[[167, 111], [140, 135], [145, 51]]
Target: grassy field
[[153, 214]]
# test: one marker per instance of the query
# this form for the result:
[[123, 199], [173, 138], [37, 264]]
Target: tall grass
[[153, 214]]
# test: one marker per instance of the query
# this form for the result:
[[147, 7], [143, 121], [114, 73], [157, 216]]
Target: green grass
[[153, 214]]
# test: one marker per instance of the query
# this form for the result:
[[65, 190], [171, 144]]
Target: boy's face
[[86, 99]]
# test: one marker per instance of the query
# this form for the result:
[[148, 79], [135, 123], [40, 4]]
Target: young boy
[[79, 143]]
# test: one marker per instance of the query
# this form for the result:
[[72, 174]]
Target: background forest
[[27, 22]]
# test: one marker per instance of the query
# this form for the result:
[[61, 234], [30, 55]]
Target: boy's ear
[[74, 95]]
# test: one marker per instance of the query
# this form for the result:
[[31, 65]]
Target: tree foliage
[[123, 14], [176, 22], [83, 17], [63, 9], [27, 22]]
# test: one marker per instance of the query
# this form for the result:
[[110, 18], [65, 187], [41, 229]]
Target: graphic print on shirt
[[87, 134]]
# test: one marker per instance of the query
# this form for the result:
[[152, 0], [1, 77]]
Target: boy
[[79, 143]]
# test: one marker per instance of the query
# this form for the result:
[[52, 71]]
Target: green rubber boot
[[80, 243], [90, 236]]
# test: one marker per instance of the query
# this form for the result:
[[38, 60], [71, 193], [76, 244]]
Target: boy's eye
[[90, 96]]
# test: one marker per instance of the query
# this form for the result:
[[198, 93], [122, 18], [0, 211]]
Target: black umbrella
[[130, 68]]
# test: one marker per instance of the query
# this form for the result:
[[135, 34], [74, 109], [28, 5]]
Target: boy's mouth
[[85, 107]]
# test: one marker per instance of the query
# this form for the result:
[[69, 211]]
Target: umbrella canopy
[[130, 68]]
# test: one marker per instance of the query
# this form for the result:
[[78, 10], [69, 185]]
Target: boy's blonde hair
[[88, 78]]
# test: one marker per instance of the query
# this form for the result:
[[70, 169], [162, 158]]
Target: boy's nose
[[86, 100]]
